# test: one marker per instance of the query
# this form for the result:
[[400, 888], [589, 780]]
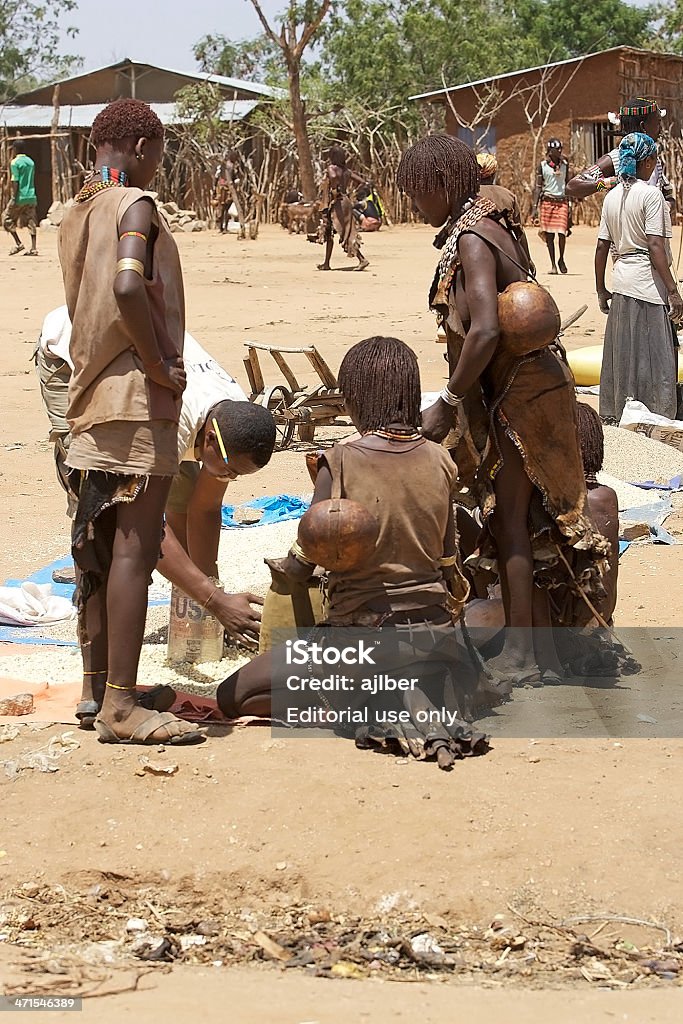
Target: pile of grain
[[241, 568], [634, 457], [628, 496]]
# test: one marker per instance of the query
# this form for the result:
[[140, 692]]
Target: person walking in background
[[639, 358], [336, 210], [551, 204], [20, 212]]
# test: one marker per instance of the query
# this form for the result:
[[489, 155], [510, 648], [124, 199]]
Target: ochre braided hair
[[591, 438], [380, 380], [126, 119], [439, 161]]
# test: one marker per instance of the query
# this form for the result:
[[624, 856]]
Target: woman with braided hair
[[516, 417], [124, 294], [410, 583], [336, 210]]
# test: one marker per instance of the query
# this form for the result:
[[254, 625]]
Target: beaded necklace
[[390, 435], [111, 177]]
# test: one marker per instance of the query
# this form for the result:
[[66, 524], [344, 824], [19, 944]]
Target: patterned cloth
[[554, 216]]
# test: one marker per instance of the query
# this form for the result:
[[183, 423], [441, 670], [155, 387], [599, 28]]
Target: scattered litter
[[425, 943], [155, 767], [45, 759], [156, 949], [347, 969], [137, 924], [9, 732], [270, 947]]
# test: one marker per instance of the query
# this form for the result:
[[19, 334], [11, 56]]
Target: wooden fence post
[[54, 152]]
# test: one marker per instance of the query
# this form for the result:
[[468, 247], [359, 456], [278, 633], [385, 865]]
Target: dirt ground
[[257, 844]]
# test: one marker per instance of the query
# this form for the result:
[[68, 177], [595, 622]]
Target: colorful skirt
[[554, 216]]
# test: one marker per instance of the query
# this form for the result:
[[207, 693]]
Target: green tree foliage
[[669, 35], [254, 60], [390, 49], [561, 29], [30, 42]]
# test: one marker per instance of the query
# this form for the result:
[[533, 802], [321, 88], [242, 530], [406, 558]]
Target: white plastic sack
[[636, 416], [33, 604]]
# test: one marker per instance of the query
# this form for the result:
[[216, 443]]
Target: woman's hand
[[675, 306], [437, 421], [604, 299], [168, 373], [235, 613]]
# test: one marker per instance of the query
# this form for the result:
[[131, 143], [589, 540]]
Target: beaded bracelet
[[133, 234]]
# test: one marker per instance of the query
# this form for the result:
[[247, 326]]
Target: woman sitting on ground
[[411, 581]]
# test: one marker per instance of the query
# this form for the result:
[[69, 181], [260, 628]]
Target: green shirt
[[24, 171]]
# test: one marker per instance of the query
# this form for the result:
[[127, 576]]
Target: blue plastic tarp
[[275, 510]]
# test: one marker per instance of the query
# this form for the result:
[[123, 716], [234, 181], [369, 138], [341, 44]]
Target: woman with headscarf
[[639, 359], [638, 114]]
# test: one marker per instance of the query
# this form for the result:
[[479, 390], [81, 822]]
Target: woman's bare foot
[[324, 266], [363, 264]]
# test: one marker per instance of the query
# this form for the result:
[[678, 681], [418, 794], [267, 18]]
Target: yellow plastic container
[[194, 635], [586, 364]]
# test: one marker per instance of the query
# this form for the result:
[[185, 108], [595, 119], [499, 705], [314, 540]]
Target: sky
[[161, 32]]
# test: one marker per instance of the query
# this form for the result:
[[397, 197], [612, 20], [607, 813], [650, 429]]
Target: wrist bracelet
[[210, 598], [153, 366], [449, 398], [297, 552], [448, 560]]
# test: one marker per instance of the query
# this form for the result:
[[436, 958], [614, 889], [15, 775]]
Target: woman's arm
[[131, 297], [601, 253], [481, 290], [598, 178], [660, 262]]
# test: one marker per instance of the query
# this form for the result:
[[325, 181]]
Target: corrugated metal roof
[[540, 67], [82, 116], [238, 84]]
